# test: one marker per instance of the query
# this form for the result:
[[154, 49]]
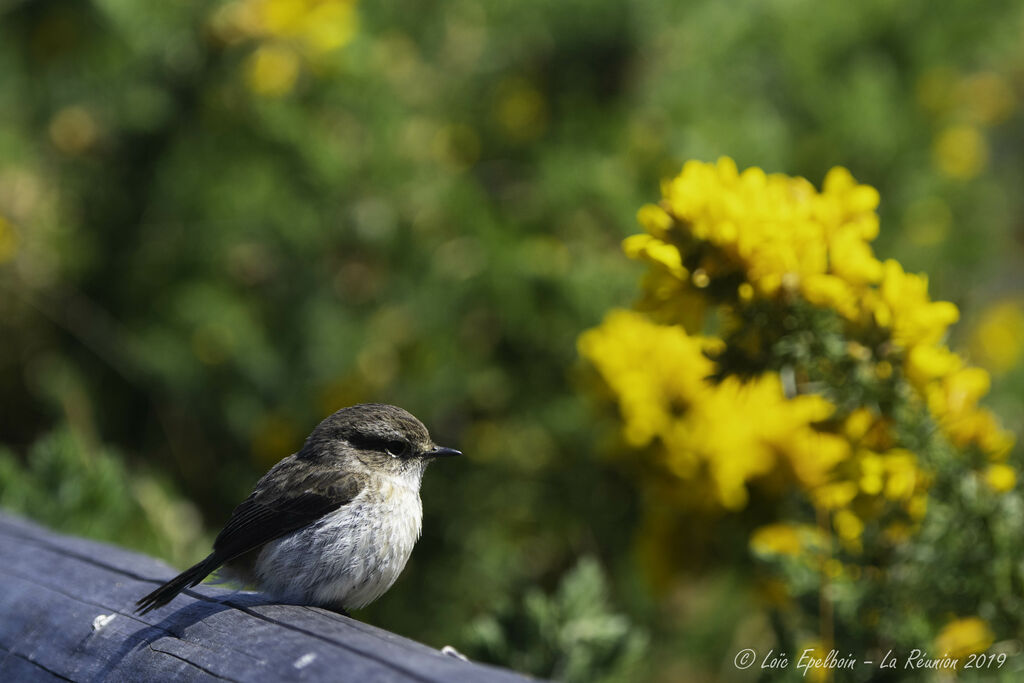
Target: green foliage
[[87, 490], [571, 635]]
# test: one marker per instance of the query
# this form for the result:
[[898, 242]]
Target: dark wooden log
[[66, 613]]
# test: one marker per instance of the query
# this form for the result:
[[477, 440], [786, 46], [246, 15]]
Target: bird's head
[[384, 438]]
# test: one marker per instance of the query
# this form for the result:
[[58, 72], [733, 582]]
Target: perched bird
[[332, 525]]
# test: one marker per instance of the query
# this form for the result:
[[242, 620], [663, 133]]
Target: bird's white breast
[[351, 556]]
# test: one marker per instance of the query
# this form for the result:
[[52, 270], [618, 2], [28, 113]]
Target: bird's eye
[[396, 449]]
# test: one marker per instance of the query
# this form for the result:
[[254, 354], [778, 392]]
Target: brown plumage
[[332, 525]]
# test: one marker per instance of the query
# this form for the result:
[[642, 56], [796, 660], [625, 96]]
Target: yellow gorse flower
[[648, 392], [272, 70], [731, 432], [901, 304], [962, 637], [1001, 477], [788, 539]]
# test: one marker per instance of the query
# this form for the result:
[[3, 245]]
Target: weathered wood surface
[[58, 594]]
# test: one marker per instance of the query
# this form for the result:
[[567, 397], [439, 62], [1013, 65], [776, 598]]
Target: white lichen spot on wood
[[452, 652], [305, 660], [102, 620]]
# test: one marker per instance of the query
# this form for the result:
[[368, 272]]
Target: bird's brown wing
[[292, 495]]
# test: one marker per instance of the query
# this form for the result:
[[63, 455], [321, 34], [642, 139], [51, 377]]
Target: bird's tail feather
[[188, 578]]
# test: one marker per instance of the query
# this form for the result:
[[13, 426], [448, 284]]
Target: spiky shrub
[[773, 362]]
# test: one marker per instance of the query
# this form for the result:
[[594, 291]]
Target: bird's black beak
[[441, 452]]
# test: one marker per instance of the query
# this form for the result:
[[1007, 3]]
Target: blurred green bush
[[221, 221], [80, 488]]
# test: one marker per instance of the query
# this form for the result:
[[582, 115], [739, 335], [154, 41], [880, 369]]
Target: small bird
[[332, 525]]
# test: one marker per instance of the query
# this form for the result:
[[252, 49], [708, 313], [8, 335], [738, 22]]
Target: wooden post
[[66, 613]]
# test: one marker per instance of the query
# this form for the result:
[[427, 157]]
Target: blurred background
[[220, 222]]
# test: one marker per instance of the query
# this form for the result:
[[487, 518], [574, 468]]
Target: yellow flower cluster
[[877, 470], [724, 239], [776, 230], [952, 391], [289, 31], [782, 237], [728, 433]]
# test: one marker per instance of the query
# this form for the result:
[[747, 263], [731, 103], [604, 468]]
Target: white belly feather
[[350, 557]]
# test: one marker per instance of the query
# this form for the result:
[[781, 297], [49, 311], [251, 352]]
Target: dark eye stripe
[[395, 447]]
